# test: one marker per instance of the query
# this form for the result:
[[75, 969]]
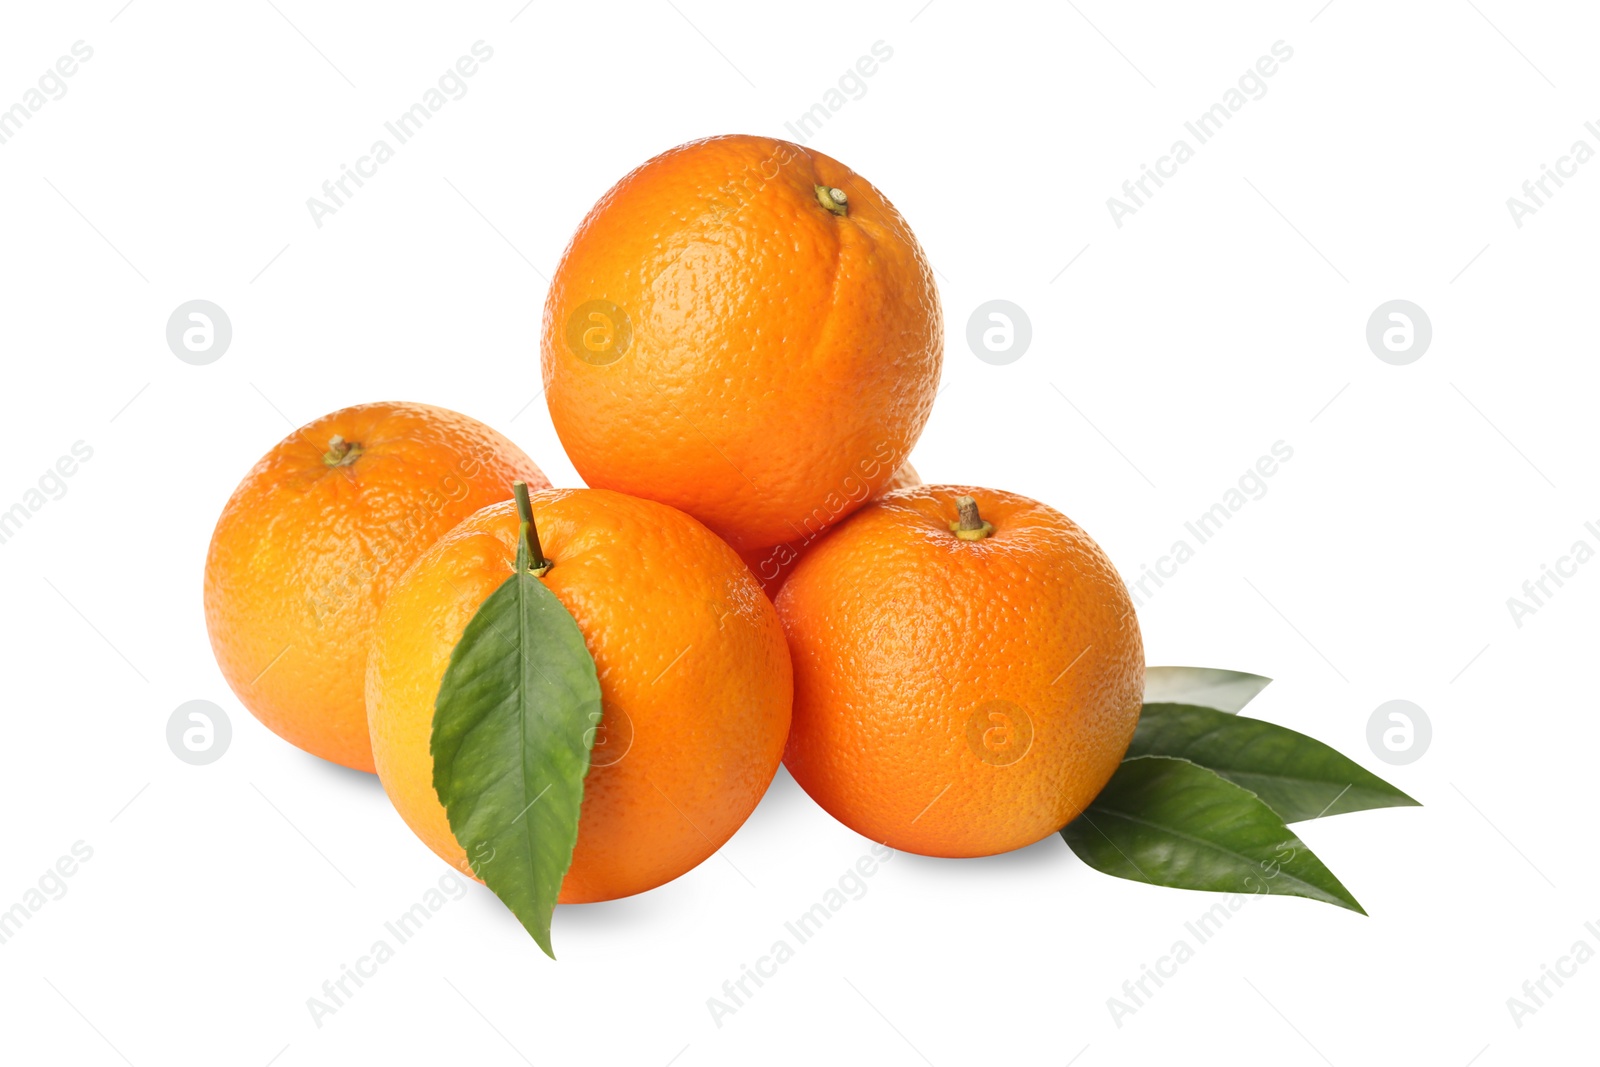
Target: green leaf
[[1211, 688], [512, 729], [1299, 777], [1170, 822]]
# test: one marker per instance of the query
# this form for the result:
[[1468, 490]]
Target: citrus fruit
[[694, 676], [967, 678], [772, 566], [744, 329], [311, 541]]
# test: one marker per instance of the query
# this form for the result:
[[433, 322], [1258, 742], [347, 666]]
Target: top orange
[[747, 330]]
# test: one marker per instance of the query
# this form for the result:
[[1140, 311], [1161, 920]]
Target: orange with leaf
[[596, 649], [970, 679]]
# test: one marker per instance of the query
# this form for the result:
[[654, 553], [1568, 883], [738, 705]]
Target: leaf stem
[[530, 555]]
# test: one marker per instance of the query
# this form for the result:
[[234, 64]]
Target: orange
[[311, 541], [772, 566], [955, 696], [694, 676], [725, 336]]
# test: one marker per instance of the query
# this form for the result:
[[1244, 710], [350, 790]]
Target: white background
[[1226, 315]]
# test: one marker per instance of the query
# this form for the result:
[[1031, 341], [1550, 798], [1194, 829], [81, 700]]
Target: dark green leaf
[[512, 729], [1211, 688], [1299, 777], [1170, 822]]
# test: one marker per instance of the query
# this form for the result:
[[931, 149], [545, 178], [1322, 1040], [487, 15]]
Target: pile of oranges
[[740, 347]]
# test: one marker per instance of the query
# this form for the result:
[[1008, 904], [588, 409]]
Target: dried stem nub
[[833, 199], [969, 525], [341, 453]]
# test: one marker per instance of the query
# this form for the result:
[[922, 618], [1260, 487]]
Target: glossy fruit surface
[[694, 677], [724, 336], [955, 696], [310, 542]]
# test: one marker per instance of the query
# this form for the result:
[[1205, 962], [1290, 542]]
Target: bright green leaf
[[1170, 822], [1211, 688], [1299, 777], [512, 729]]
